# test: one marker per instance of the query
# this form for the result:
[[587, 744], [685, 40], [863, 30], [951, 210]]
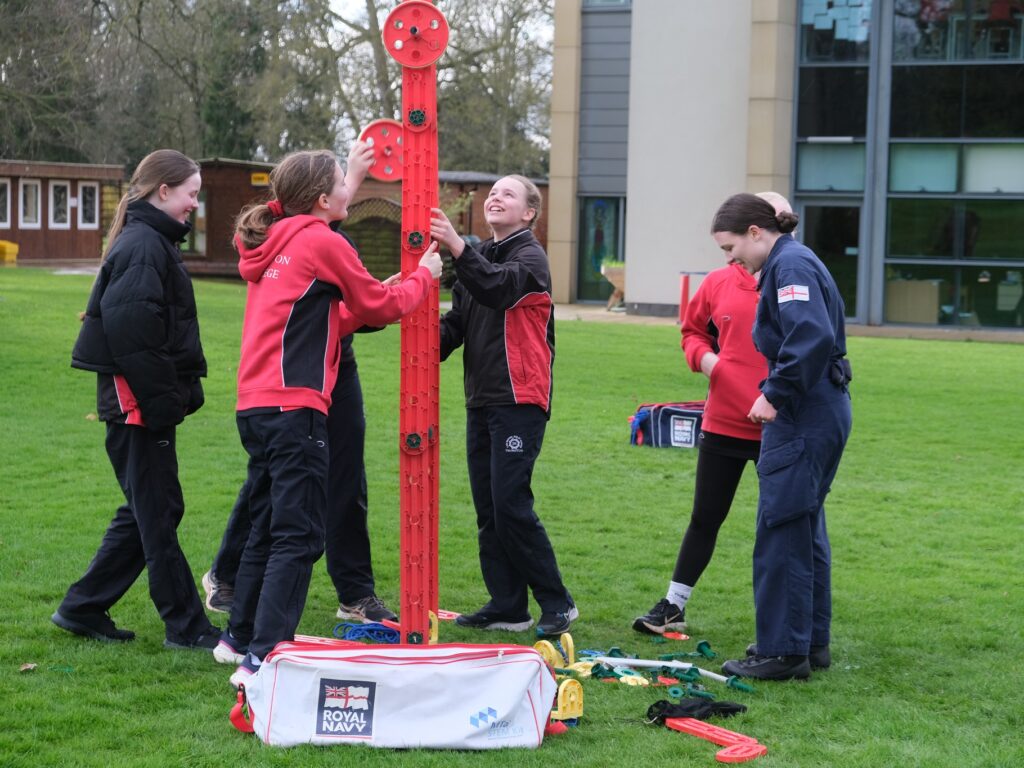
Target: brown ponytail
[[296, 183]]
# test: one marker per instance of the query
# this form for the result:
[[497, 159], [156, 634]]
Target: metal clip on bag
[[450, 696]]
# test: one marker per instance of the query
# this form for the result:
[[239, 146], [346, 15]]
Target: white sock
[[678, 594]]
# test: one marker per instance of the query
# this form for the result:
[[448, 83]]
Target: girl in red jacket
[[717, 342], [298, 272]]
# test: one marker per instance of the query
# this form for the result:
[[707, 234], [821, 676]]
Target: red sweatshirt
[[293, 322], [726, 301]]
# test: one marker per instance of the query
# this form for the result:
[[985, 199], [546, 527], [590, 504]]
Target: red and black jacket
[[503, 314], [294, 319]]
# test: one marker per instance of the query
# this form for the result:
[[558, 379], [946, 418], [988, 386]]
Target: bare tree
[[495, 77], [47, 92]]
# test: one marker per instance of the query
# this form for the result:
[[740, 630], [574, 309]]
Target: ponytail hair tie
[[276, 208]]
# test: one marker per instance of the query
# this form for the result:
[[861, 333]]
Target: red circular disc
[[415, 33], [385, 136]]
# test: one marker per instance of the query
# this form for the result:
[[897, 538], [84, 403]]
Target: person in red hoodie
[[307, 288], [717, 342]]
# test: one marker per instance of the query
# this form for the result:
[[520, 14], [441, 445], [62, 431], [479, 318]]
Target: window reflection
[[958, 29], [835, 30], [951, 295]]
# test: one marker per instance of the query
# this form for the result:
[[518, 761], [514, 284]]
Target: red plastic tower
[[416, 34]]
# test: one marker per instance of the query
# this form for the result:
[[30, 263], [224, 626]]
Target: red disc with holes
[[385, 136], [415, 33]]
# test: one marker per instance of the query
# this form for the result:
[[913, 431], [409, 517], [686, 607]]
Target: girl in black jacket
[[141, 337]]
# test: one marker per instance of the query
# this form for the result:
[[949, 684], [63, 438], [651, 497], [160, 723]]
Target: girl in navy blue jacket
[[140, 335], [804, 410]]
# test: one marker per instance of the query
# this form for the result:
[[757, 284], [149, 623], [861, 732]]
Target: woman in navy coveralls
[[804, 407]]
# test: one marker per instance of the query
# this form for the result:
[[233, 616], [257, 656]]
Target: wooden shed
[[57, 211]]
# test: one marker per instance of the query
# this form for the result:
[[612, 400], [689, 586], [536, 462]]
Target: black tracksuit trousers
[[143, 534]]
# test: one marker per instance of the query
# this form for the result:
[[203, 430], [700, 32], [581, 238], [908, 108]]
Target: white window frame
[[5, 212], [53, 186], [22, 185], [94, 185]]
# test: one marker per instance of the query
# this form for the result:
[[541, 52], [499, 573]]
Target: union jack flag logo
[[347, 696]]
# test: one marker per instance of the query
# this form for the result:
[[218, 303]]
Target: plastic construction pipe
[[614, 661]]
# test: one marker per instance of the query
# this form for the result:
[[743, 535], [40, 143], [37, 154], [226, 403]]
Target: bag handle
[[241, 716]]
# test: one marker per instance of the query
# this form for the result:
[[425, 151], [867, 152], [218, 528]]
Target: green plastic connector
[[704, 649], [739, 685], [699, 691]]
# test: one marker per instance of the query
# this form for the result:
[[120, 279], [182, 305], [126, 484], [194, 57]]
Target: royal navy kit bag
[[448, 696], [667, 425]]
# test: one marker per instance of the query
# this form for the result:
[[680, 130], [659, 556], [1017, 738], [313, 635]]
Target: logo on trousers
[[514, 444]]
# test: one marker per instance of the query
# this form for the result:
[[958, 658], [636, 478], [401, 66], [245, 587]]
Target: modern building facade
[[896, 128]]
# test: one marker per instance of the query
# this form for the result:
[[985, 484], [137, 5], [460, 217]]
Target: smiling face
[[178, 202], [750, 250], [506, 209]]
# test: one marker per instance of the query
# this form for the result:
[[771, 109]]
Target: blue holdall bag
[[667, 425]]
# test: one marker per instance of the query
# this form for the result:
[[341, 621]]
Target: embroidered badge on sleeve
[[794, 293]]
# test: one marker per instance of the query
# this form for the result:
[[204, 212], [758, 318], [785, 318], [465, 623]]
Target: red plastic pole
[[684, 295], [415, 34]]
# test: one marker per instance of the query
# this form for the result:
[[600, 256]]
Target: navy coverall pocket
[[788, 488]]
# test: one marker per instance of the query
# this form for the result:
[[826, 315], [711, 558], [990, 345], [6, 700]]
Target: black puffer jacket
[[141, 319]]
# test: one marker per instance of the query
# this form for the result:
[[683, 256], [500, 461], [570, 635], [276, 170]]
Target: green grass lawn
[[926, 519]]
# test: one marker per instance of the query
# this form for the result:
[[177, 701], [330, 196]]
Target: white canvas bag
[[452, 696]]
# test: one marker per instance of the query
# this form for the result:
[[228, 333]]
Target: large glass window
[[957, 29], [5, 203], [601, 242], [29, 212], [956, 259], [954, 295], [976, 101], [60, 205]]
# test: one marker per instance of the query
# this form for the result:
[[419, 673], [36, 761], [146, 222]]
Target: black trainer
[[98, 626], [769, 667], [369, 609], [664, 617], [219, 594], [487, 618], [820, 658], [205, 642], [556, 622]]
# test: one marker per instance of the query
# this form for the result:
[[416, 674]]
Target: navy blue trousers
[[502, 445], [800, 453], [347, 544], [143, 534], [288, 458]]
